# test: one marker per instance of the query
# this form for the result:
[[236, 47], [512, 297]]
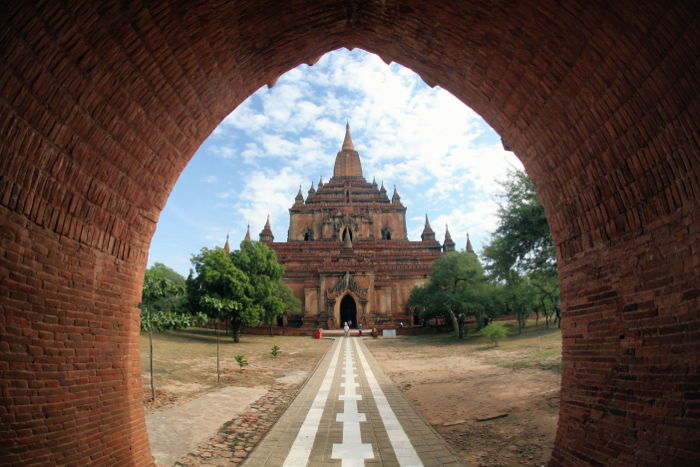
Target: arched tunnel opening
[[103, 104]]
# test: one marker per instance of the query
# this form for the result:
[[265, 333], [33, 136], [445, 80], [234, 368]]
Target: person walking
[[346, 328], [359, 327]]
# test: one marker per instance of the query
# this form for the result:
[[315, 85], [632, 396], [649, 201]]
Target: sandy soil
[[455, 392], [185, 364]]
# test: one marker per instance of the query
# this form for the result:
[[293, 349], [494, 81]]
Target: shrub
[[494, 331], [240, 359], [275, 351]]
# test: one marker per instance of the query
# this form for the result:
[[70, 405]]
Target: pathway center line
[[301, 448], [352, 451], [403, 449]]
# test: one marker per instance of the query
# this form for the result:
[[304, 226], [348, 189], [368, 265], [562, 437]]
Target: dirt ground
[[495, 406], [185, 363]]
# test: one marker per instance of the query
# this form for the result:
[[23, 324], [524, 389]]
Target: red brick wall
[[103, 103]]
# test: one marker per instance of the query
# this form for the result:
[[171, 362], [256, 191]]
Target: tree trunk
[[218, 372], [150, 358], [455, 325], [460, 323], [236, 329]]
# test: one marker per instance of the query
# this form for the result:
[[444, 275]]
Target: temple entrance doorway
[[348, 312]]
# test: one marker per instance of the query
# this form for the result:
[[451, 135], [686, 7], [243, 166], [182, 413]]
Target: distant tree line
[[518, 277]]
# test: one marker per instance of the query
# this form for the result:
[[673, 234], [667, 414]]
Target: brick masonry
[[103, 103]]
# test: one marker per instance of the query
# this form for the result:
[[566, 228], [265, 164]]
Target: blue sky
[[443, 158]]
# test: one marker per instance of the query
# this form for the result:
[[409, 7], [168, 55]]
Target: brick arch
[[102, 105]]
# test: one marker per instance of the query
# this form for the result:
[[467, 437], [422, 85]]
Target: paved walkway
[[178, 430], [350, 414]]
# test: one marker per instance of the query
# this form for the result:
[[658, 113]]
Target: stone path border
[[430, 448], [237, 438], [175, 431]]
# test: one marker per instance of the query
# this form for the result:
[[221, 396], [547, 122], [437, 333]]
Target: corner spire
[[227, 246], [247, 234], [448, 245], [395, 198], [266, 233], [428, 233], [347, 142], [469, 245]]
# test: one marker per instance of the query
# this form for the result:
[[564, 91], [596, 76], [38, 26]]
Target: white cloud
[[268, 193], [441, 156]]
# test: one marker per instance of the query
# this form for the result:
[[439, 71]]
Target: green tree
[[522, 241], [521, 253], [221, 290], [519, 299], [546, 296], [270, 296], [241, 287], [161, 307], [284, 302], [456, 289]]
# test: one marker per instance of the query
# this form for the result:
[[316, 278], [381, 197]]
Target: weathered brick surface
[[103, 103]]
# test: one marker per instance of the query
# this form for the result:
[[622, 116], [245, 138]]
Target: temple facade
[[347, 256]]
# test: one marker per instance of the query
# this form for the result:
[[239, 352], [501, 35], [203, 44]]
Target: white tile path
[[304, 441], [350, 414], [352, 451], [403, 449]]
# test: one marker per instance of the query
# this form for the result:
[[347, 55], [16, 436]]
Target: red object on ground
[[318, 334]]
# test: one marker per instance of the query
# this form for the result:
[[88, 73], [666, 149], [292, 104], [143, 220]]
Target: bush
[[494, 331]]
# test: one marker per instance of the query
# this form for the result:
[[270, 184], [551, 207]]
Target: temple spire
[[428, 233], [227, 247], [395, 198], [448, 245], [469, 245], [247, 234], [266, 233], [347, 142], [299, 199], [347, 162]]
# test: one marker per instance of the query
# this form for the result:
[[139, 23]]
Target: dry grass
[[185, 361], [536, 347]]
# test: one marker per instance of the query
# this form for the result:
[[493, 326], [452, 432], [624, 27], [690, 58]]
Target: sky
[[444, 160]]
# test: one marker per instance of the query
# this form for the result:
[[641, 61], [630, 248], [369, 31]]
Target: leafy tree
[[519, 299], [456, 290], [495, 331], [522, 241], [161, 300], [546, 296], [270, 297], [221, 289], [521, 253], [284, 302], [241, 287]]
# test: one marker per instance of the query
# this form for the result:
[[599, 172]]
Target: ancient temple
[[347, 256]]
